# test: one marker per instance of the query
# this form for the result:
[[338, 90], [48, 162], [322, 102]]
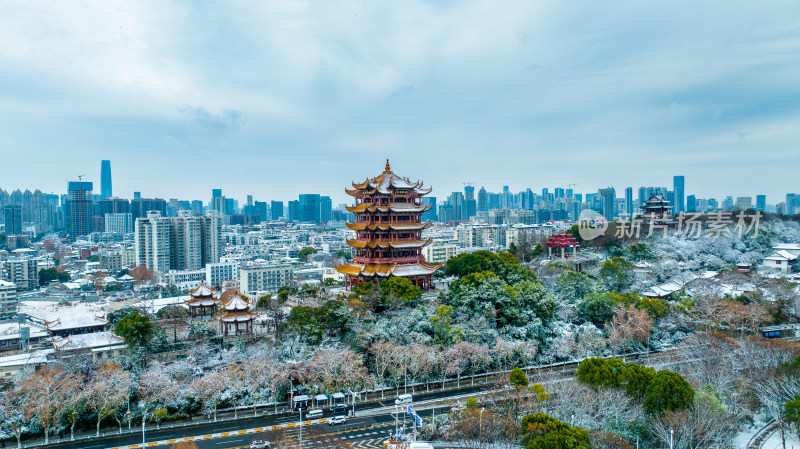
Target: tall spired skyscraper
[[105, 180]]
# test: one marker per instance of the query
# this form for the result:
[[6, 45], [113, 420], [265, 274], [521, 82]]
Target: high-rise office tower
[[629, 201], [609, 202], [294, 210], [260, 209], [761, 203], [276, 210], [431, 214], [79, 202], [469, 193], [105, 179], [325, 209], [691, 203], [13, 219], [137, 195], [309, 207], [559, 192], [483, 200], [678, 192], [249, 200], [218, 201]]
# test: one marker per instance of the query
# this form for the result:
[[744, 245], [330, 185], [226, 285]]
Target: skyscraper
[[79, 202], [629, 201], [431, 214], [13, 219], [483, 200], [761, 202], [691, 203], [309, 207], [469, 192], [609, 201], [678, 192], [185, 242], [276, 210], [325, 209], [105, 179]]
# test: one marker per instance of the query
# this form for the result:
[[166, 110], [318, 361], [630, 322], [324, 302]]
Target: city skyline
[[531, 94], [620, 188]]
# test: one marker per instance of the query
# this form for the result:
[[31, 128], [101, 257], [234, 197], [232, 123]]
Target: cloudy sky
[[278, 98]]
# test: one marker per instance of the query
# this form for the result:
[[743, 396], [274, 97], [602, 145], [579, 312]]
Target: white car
[[337, 420], [259, 444]]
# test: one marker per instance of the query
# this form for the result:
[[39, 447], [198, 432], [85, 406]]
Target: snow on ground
[[774, 441]]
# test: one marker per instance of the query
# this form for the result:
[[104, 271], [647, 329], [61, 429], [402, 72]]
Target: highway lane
[[373, 430], [199, 429]]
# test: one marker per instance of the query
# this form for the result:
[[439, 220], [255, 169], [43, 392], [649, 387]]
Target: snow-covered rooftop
[[86, 341]]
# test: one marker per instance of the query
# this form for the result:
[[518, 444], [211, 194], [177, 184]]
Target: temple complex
[[202, 302], [236, 316], [388, 228]]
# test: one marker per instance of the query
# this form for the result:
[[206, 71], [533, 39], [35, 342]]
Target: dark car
[[339, 408]]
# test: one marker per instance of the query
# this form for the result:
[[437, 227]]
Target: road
[[362, 431], [359, 428]]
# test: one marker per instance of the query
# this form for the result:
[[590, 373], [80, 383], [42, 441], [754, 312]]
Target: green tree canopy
[[518, 378], [615, 273], [486, 294], [135, 329], [657, 308], [315, 323], [599, 372], [47, 275], [542, 431], [399, 288], [574, 286], [115, 316], [444, 332], [667, 391], [640, 251], [636, 378], [791, 411], [501, 263], [599, 307], [305, 252]]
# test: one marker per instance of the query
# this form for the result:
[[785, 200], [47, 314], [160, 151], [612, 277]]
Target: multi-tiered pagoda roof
[[388, 229], [202, 301], [236, 316]]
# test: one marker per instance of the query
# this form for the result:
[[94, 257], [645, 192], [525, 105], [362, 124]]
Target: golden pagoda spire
[[388, 169]]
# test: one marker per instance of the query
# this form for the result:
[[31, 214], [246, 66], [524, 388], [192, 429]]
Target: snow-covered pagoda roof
[[202, 291], [385, 183]]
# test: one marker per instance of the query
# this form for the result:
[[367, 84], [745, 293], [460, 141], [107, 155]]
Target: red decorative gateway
[[562, 241], [388, 229]]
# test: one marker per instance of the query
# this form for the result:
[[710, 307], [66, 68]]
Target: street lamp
[[301, 428], [480, 424], [142, 406]]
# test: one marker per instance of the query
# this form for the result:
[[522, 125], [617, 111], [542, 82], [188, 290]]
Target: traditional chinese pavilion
[[388, 228], [657, 206], [236, 316], [562, 241], [202, 302]]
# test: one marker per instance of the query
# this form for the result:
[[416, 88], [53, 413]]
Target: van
[[314, 414], [403, 399]]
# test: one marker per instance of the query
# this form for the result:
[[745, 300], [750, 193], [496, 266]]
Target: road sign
[[410, 410], [418, 420]]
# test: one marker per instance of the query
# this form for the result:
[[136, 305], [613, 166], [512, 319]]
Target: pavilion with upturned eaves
[[236, 316], [202, 302], [388, 229]]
